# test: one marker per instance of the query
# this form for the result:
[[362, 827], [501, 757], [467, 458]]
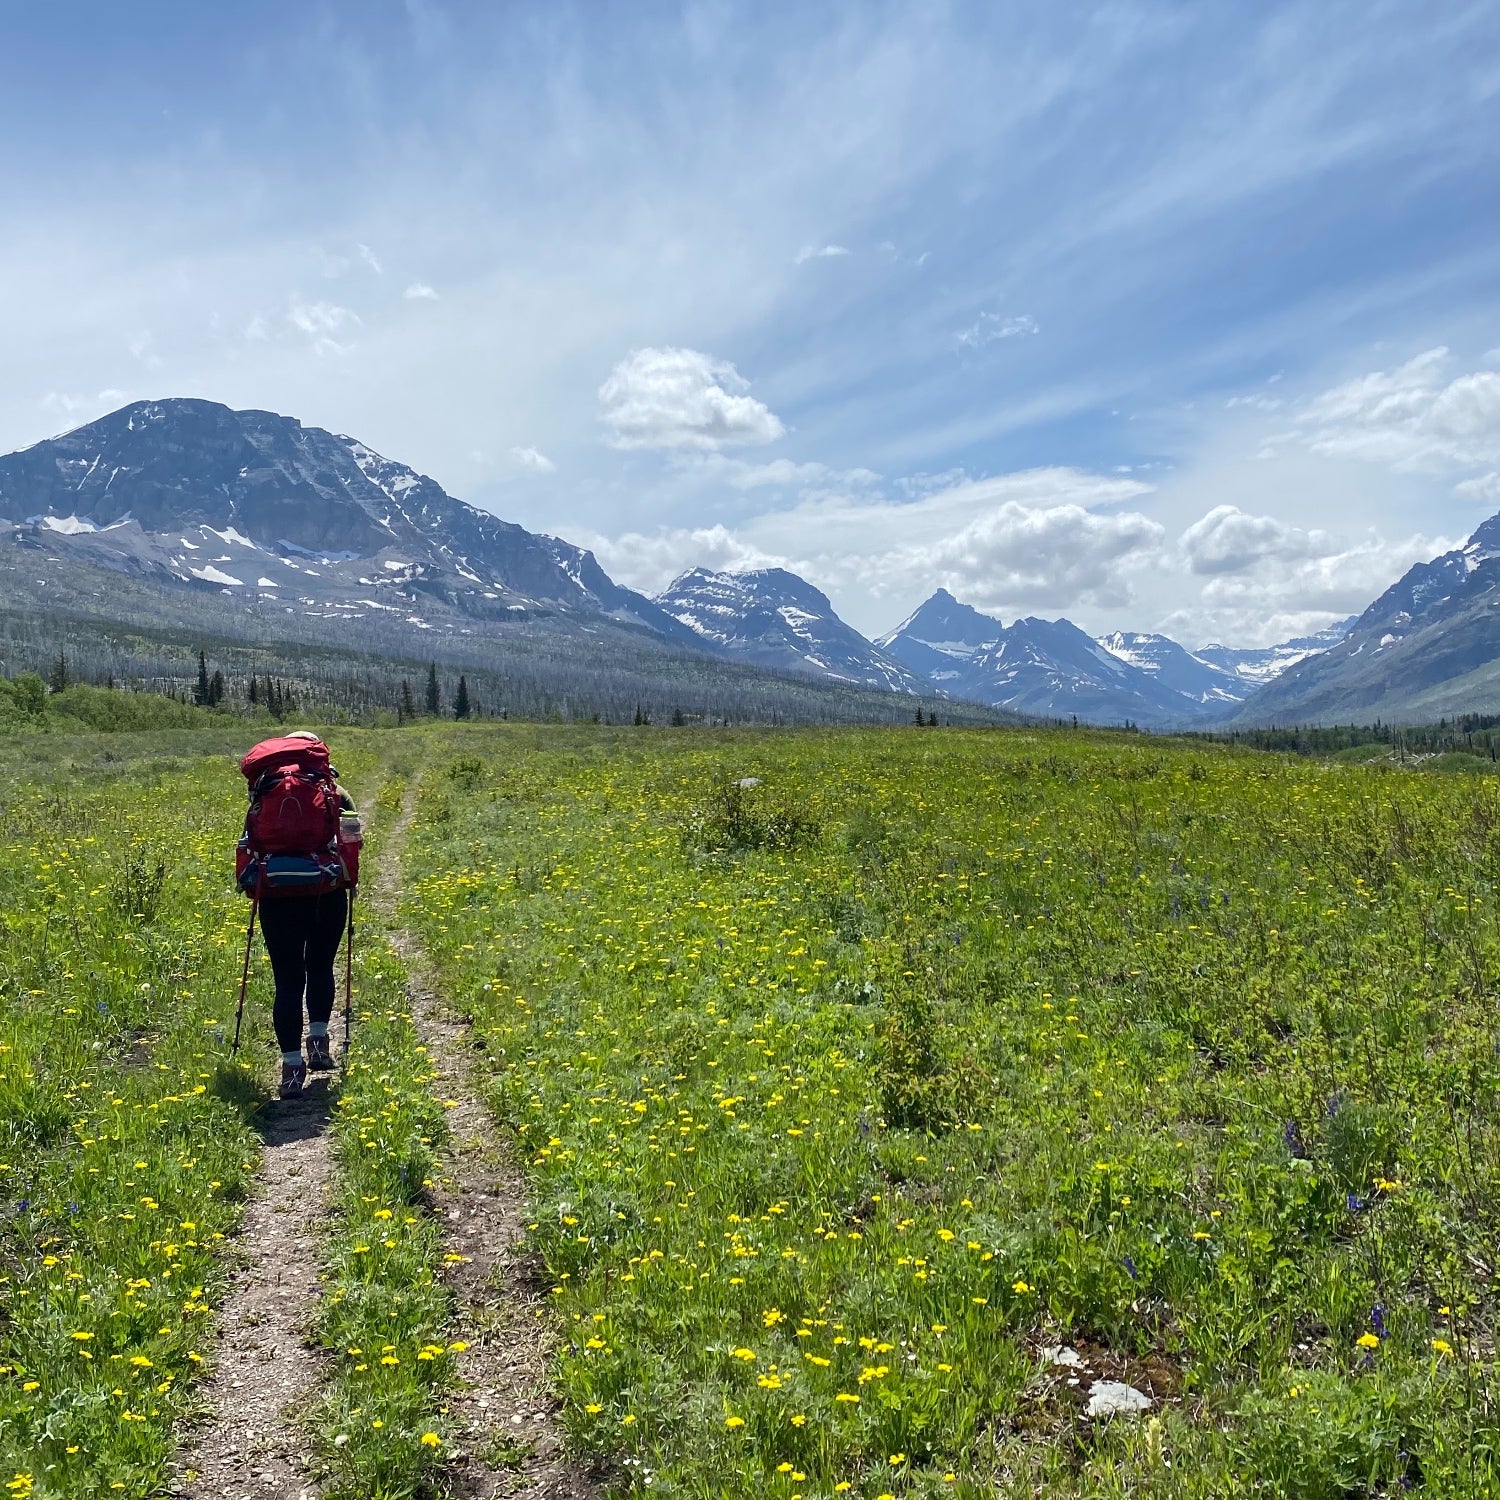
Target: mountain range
[[1053, 669], [296, 529]]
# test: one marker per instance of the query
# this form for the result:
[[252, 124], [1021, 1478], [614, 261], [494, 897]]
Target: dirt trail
[[249, 1445], [507, 1443]]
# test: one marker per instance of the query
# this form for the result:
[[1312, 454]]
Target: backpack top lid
[[303, 750]]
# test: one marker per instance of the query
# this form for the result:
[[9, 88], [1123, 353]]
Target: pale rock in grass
[[1112, 1398]]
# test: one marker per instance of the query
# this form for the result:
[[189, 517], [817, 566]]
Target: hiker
[[299, 862]]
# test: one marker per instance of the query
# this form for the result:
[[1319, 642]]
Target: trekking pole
[[239, 1014], [349, 972]]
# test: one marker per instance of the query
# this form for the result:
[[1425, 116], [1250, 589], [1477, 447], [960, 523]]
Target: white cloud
[[320, 317], [1339, 582], [682, 399], [779, 473], [817, 252], [1020, 541], [990, 328], [1411, 417], [1227, 540], [258, 330], [1485, 489], [419, 291], [369, 257], [534, 460], [320, 321], [651, 562], [1052, 557]]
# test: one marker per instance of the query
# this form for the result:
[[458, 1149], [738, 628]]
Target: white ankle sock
[[294, 1059]]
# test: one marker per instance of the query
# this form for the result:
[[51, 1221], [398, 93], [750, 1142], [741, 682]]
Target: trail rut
[[249, 1445]]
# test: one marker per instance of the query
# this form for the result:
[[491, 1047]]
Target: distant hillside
[[1427, 648], [776, 619]]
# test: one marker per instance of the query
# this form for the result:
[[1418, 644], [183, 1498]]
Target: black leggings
[[302, 936]]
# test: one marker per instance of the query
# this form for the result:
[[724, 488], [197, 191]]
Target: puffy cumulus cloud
[[1413, 416], [419, 291], [1485, 489], [1267, 581], [1052, 541], [1227, 540], [682, 399], [533, 459], [1029, 556], [1036, 539]]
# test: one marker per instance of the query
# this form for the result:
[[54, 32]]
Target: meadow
[[878, 1093], [856, 1098], [128, 1136]]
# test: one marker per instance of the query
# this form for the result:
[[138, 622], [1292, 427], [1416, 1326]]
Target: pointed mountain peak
[[941, 621]]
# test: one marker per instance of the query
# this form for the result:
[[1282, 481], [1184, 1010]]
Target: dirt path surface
[[506, 1441], [264, 1368]]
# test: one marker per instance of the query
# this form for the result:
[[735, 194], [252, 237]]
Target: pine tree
[[461, 702], [200, 693], [434, 692], [58, 678], [216, 689], [677, 720], [406, 710], [254, 692]]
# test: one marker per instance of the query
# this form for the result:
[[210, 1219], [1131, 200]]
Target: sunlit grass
[[843, 1098]]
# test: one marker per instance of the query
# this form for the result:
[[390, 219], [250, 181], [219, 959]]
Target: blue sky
[[1179, 316]]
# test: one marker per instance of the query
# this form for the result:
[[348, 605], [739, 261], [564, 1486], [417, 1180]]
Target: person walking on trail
[[299, 862]]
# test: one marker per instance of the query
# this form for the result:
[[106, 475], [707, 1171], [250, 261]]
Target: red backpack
[[293, 841]]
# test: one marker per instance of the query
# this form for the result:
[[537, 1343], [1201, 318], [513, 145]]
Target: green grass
[[126, 1134], [385, 1309], [124, 1142], [842, 1098], [868, 1082]]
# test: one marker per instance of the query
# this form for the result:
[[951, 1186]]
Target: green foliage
[[385, 1309], [742, 814], [122, 1156]]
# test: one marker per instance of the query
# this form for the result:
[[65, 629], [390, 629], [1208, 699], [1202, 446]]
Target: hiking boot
[[319, 1054], [293, 1080]]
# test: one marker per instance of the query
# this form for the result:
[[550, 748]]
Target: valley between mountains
[[191, 518]]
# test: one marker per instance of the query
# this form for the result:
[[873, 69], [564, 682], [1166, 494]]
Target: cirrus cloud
[[682, 399]]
